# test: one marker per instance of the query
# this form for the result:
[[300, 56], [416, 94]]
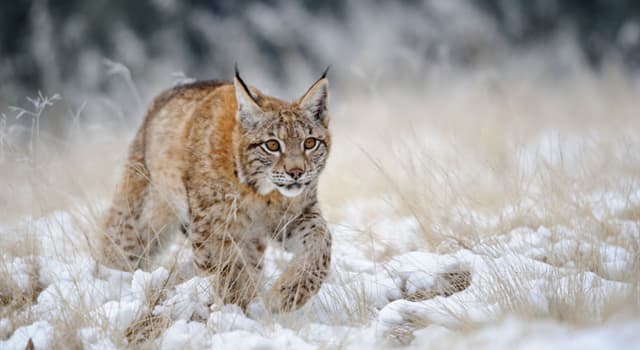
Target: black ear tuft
[[249, 111], [242, 83], [326, 70]]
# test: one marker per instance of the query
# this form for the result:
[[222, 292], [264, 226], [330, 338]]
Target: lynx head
[[280, 145]]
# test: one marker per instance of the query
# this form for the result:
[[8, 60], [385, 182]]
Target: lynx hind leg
[[134, 233], [138, 217], [123, 240]]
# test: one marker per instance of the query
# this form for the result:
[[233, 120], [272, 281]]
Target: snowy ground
[[400, 301]]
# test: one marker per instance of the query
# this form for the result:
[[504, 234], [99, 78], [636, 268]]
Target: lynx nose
[[295, 173]]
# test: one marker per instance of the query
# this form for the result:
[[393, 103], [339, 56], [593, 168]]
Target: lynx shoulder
[[234, 169]]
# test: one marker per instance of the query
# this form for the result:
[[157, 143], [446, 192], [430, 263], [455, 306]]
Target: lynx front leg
[[310, 239], [234, 262]]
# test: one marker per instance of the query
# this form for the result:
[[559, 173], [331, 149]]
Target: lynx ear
[[248, 110], [315, 99]]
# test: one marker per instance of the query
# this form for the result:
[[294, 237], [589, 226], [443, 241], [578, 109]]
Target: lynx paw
[[286, 297]]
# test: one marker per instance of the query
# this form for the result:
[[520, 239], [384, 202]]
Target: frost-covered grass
[[500, 209]]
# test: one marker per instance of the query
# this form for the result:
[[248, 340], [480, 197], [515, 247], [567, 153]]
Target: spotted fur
[[204, 162]]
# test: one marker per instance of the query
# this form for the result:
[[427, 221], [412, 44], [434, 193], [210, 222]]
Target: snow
[[190, 299], [92, 339], [185, 335], [387, 287], [40, 333], [119, 314], [513, 333]]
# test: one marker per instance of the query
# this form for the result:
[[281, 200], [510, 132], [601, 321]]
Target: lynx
[[233, 169]]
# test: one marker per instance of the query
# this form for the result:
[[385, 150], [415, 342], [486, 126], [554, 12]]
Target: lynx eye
[[272, 145], [310, 143]]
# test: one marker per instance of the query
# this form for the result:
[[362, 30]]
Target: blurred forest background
[[74, 47]]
